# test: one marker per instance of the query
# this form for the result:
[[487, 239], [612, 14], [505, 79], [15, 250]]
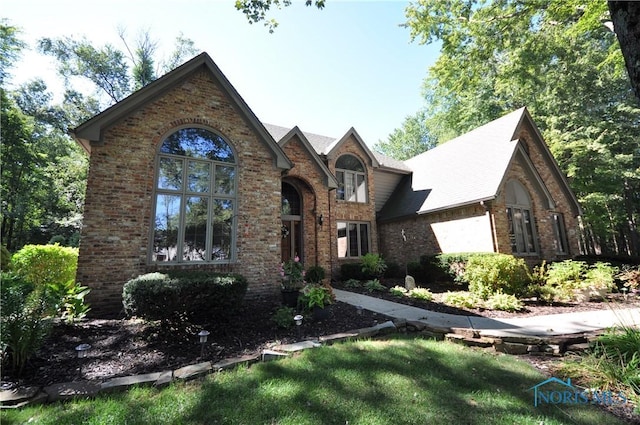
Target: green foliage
[[25, 319], [374, 285], [398, 291], [415, 270], [410, 140], [351, 271], [565, 280], [453, 265], [5, 258], [600, 276], [315, 274], [316, 296], [504, 302], [373, 265], [256, 10], [489, 274], [421, 294], [630, 277], [292, 274], [462, 299], [177, 296], [353, 283], [283, 317], [394, 270]]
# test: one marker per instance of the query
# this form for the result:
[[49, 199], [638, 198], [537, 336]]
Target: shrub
[[315, 274], [374, 285], [394, 270], [421, 294], [352, 283], [453, 265], [398, 291], [54, 266], [176, 296], [373, 265], [462, 299], [415, 269], [566, 273], [351, 271], [25, 319], [504, 302], [283, 317], [566, 279], [600, 276], [630, 277], [489, 274]]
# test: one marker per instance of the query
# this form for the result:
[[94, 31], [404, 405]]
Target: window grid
[[353, 239]]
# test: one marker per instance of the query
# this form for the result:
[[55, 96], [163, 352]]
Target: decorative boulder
[[409, 282]]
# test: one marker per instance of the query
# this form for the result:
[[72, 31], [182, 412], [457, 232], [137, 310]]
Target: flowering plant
[[292, 274]]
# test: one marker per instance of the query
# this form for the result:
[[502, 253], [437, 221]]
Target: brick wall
[[118, 207]]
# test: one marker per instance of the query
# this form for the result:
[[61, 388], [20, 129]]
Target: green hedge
[[196, 297], [491, 274], [53, 265]]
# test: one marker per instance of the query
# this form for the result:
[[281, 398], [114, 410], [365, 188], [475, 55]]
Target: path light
[[624, 292], [298, 318], [203, 340], [81, 352]]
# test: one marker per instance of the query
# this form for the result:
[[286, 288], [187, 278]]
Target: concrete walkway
[[555, 324]]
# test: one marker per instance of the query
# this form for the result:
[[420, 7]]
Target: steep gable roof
[[91, 132], [329, 179], [333, 147], [466, 170]]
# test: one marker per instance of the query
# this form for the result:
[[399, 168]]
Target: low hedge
[[195, 297]]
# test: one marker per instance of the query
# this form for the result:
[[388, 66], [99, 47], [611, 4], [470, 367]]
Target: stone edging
[[558, 345]]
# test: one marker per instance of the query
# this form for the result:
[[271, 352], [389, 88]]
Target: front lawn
[[398, 381]]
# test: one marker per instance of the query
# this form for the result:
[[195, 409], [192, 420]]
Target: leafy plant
[[631, 277], [316, 296], [73, 305], [46, 264], [283, 317], [421, 294], [373, 265], [292, 274], [352, 283], [489, 274], [504, 302], [374, 285], [398, 291], [5, 258], [26, 311], [600, 276], [462, 299]]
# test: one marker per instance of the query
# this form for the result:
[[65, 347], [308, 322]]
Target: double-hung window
[[195, 199], [353, 239], [560, 233], [352, 179]]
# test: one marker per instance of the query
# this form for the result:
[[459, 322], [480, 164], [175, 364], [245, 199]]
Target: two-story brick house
[[184, 175]]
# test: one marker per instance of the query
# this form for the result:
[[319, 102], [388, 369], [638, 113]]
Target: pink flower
[[297, 259]]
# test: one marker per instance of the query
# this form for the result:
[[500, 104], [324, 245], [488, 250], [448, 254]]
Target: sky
[[348, 65]]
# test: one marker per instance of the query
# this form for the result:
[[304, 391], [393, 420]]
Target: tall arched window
[[521, 221], [352, 179], [195, 199]]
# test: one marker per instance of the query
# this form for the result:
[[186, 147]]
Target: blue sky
[[350, 64]]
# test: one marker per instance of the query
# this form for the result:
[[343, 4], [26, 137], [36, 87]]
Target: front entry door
[[291, 223]]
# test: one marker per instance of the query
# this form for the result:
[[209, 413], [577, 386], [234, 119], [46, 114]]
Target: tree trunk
[[626, 23]]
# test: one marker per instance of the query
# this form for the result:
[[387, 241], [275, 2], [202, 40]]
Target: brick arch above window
[[352, 179]]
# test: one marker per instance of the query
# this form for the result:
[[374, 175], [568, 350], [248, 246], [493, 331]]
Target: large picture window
[[195, 199], [353, 239], [522, 231], [352, 179]]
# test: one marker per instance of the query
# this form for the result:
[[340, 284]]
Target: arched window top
[[198, 143], [516, 194], [349, 162], [291, 204]]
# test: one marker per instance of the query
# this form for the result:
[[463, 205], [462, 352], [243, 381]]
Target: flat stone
[[123, 383], [193, 371], [39, 398], [70, 390], [438, 336], [339, 337], [17, 395], [511, 348], [297, 346], [417, 325], [467, 332], [235, 361], [270, 355], [577, 348], [400, 323], [164, 379], [470, 342], [523, 339], [386, 327]]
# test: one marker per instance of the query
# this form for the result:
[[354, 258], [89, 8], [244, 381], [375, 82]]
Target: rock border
[[18, 397]]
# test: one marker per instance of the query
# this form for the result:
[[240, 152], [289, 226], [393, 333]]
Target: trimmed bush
[[351, 271], [571, 280], [489, 274], [414, 269], [46, 264], [315, 274], [454, 265], [394, 271], [184, 296]]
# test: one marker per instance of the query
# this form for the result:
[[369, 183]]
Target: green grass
[[399, 381]]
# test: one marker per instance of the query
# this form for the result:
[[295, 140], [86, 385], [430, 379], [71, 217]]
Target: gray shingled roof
[[462, 171]]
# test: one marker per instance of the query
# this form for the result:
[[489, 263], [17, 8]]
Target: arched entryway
[[292, 228]]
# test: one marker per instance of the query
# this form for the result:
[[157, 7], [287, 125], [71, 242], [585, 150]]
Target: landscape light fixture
[[298, 319], [203, 340], [81, 352]]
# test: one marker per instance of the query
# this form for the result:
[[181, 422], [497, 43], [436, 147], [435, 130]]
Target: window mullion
[[183, 213]]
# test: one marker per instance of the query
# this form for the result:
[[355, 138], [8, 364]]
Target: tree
[[556, 58], [626, 23], [256, 10], [10, 47], [411, 139]]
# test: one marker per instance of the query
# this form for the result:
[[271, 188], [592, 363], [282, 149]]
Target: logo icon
[[557, 391]]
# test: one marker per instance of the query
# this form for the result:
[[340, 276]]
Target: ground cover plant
[[397, 381]]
